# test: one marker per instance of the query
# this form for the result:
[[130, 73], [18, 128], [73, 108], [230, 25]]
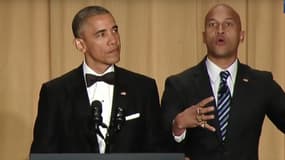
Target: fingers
[[205, 110], [196, 115], [202, 117], [207, 117], [205, 101], [202, 121], [203, 114], [205, 125], [200, 107], [209, 127]]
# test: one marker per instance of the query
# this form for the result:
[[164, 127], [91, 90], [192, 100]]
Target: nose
[[113, 39], [220, 29]]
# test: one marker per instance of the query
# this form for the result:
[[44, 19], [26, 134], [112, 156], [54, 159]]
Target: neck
[[97, 66], [99, 69], [223, 62]]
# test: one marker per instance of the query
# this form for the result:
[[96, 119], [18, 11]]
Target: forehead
[[102, 21], [221, 13]]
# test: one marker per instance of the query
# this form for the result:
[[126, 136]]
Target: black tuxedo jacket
[[64, 115], [255, 95]]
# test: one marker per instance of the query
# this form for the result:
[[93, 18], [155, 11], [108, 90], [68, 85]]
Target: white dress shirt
[[102, 92], [214, 75]]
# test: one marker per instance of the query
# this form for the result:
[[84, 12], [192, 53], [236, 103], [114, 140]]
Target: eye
[[212, 24], [115, 29], [100, 34], [228, 24]]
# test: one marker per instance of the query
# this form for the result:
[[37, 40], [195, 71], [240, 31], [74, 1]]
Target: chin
[[221, 53], [114, 60]]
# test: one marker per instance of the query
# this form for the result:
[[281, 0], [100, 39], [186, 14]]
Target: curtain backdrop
[[159, 38]]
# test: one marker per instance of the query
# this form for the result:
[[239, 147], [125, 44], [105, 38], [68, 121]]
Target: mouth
[[117, 49], [220, 41]]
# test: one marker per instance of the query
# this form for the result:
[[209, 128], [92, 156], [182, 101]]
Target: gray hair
[[83, 14]]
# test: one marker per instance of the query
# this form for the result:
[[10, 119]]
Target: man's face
[[222, 32], [101, 41]]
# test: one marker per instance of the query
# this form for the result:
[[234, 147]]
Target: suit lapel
[[205, 90], [79, 96], [240, 98], [81, 110], [120, 95], [120, 91]]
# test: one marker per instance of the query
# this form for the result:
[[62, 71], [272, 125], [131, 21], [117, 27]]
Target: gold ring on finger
[[203, 124], [199, 118], [198, 110]]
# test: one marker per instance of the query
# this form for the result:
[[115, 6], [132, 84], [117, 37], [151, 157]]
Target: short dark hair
[[83, 14]]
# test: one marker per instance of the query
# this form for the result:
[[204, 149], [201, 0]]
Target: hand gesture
[[194, 116]]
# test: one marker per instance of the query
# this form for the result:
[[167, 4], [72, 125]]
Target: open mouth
[[220, 41]]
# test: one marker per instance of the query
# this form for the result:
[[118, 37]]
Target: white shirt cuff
[[179, 138]]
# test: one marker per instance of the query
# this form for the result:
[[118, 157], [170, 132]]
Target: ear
[[241, 36], [204, 37], [79, 44]]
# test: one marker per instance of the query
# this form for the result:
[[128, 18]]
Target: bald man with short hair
[[215, 110]]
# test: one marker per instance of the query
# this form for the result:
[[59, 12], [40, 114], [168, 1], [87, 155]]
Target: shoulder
[[133, 77], [69, 78], [187, 75], [255, 74]]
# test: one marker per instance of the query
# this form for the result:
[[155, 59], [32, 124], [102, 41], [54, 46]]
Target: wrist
[[177, 127]]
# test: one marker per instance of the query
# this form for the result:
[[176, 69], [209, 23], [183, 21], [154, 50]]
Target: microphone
[[119, 119], [116, 125], [97, 117]]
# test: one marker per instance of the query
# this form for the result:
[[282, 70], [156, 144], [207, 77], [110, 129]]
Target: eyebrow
[[104, 30], [213, 19], [115, 26], [101, 31]]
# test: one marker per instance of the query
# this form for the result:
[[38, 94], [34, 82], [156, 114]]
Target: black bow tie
[[108, 78]]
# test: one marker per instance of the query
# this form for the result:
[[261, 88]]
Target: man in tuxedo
[[215, 110], [97, 107]]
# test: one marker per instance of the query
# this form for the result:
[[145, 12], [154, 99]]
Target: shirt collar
[[87, 69], [214, 70]]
